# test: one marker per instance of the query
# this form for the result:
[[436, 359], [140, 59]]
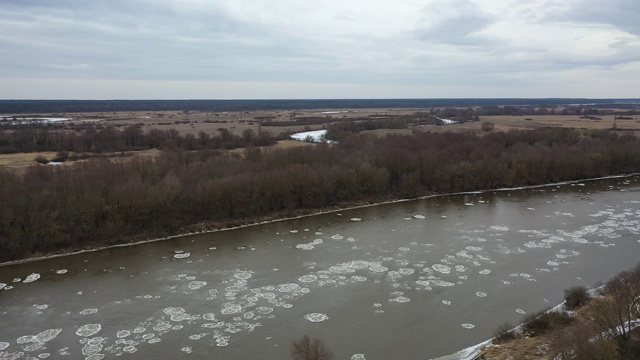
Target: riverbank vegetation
[[102, 202], [602, 326]]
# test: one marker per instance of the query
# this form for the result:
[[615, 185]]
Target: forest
[[62, 106], [110, 139], [50, 209]]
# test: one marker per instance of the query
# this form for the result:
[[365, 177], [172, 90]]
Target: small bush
[[542, 322], [576, 297], [503, 334], [41, 159]]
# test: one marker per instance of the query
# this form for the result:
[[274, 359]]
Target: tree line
[[110, 139], [101, 202]]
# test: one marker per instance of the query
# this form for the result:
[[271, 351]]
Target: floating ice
[[61, 271], [305, 246], [31, 278], [293, 231], [337, 237], [4, 345], [89, 330], [481, 294], [358, 357], [520, 311], [195, 285], [499, 228], [484, 272], [307, 278], [316, 317], [123, 333], [444, 269], [419, 216], [446, 302], [88, 311], [355, 219], [400, 299], [406, 271], [231, 308], [468, 326], [182, 255], [377, 267], [243, 275], [442, 283]]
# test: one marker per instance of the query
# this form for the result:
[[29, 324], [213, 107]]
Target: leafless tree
[[308, 348]]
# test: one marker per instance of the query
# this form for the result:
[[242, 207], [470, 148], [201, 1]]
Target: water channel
[[410, 280]]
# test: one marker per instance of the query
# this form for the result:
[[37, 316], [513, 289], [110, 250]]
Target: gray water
[[411, 280]]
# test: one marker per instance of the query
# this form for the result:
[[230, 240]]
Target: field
[[194, 122]]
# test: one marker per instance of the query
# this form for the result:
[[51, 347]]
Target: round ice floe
[[4, 345], [317, 241], [400, 299], [264, 310], [293, 231], [377, 267], [484, 272], [123, 333], [139, 330], [358, 278], [406, 271], [358, 357], [419, 216], [337, 237], [61, 271], [288, 288], [468, 326], [358, 264], [88, 311], [231, 308], [442, 283], [209, 317], [444, 269], [355, 219], [130, 349], [481, 294], [187, 349], [195, 285], [446, 302], [89, 330], [31, 278], [182, 255], [307, 278], [305, 246], [461, 268], [316, 317]]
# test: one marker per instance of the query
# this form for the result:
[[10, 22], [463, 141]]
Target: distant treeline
[[63, 106], [110, 139], [50, 208]]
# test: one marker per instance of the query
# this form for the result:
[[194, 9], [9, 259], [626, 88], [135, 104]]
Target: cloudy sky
[[266, 49]]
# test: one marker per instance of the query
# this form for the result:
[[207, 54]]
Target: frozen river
[[411, 280]]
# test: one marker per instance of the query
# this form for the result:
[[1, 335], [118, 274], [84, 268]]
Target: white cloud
[[321, 49]]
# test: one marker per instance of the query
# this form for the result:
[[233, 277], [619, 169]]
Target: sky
[[319, 49]]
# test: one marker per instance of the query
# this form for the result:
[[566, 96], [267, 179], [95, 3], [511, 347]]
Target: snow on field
[[314, 136]]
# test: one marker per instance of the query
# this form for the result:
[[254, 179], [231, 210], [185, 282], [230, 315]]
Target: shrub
[[542, 322], [503, 334], [576, 297], [41, 159]]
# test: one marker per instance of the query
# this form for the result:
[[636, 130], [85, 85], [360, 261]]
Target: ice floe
[[316, 317]]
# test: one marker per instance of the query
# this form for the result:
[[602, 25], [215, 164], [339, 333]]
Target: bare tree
[[308, 348]]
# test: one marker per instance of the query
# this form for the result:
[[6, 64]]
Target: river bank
[[234, 224]]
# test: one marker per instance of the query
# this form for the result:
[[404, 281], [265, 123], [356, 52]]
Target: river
[[409, 280]]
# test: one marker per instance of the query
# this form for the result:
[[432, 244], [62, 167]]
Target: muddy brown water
[[410, 280]]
